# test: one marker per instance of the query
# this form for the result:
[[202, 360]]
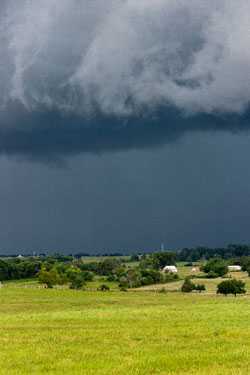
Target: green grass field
[[74, 332]]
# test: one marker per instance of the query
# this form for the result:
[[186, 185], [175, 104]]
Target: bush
[[152, 276], [103, 288], [111, 277], [78, 282], [162, 290], [123, 282], [123, 289], [187, 286], [170, 277], [231, 287], [200, 288], [212, 275], [248, 271], [87, 275]]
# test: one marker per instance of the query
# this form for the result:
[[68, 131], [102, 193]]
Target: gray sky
[[124, 124], [195, 191]]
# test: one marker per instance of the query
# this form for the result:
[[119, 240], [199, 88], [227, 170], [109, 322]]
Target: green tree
[[50, 278], [4, 270], [107, 266], [215, 267], [162, 259], [232, 286]]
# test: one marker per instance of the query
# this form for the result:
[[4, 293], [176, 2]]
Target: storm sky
[[124, 124]]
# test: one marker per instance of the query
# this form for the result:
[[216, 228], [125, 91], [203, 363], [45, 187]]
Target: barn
[[170, 269], [234, 268]]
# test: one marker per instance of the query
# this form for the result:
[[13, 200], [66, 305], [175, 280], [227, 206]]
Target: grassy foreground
[[74, 332]]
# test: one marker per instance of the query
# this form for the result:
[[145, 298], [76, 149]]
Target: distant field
[[183, 271], [74, 332], [210, 284]]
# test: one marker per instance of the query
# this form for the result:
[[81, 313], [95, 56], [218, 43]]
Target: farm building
[[234, 268], [195, 269], [170, 269]]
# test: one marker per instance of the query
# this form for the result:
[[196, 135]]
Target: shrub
[[103, 288], [147, 280], [169, 277], [248, 270], [123, 289], [78, 282], [111, 277], [162, 290], [200, 288], [212, 275], [231, 287], [123, 282], [152, 276], [87, 275], [187, 286]]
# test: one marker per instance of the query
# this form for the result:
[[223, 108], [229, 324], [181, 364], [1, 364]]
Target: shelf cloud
[[70, 65]]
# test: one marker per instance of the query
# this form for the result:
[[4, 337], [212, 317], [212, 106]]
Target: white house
[[234, 268], [170, 269]]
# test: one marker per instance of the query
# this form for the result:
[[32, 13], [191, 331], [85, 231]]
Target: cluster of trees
[[14, 268], [215, 268], [158, 260], [64, 273], [205, 253], [225, 287], [24, 268], [59, 270], [102, 268], [136, 277], [218, 267], [188, 286], [243, 261]]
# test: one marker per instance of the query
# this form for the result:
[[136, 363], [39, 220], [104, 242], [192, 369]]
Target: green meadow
[[62, 331]]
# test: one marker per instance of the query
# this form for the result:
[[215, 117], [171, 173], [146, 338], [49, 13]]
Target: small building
[[195, 269], [235, 268], [20, 256], [170, 269]]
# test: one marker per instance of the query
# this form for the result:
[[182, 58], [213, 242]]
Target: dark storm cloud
[[95, 76], [49, 136]]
